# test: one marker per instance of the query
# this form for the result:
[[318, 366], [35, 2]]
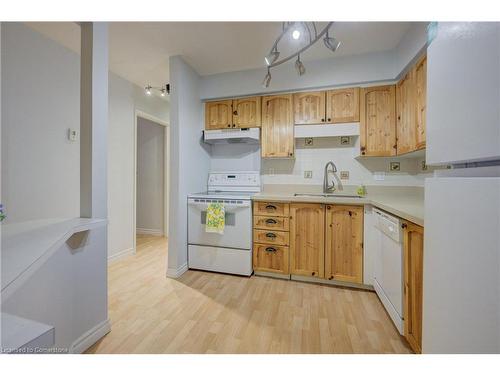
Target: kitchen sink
[[327, 195]]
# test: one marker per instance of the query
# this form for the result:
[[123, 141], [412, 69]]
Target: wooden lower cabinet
[[344, 243], [307, 241], [270, 258], [413, 236]]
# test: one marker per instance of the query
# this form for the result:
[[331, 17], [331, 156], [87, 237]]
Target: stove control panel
[[234, 181]]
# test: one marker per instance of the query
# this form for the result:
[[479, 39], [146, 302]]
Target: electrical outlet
[[308, 142], [345, 141], [308, 174], [424, 166], [344, 175], [395, 166], [379, 176], [271, 171]]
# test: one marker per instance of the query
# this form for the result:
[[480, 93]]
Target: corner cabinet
[[277, 127], [344, 243], [307, 239], [237, 113], [413, 238], [378, 121]]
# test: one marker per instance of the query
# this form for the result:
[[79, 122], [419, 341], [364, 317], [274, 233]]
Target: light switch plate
[[344, 175], [73, 135], [308, 174]]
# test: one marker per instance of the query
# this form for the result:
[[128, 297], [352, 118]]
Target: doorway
[[151, 182]]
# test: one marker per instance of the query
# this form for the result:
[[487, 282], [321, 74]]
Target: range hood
[[248, 135]]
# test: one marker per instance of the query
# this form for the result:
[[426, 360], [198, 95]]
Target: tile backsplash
[[368, 171]]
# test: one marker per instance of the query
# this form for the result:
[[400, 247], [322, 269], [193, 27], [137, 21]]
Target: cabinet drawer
[[270, 237], [271, 208], [271, 222], [270, 258]]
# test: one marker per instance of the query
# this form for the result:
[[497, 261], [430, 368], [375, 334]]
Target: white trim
[[121, 254], [166, 174], [90, 337], [174, 273], [151, 232]]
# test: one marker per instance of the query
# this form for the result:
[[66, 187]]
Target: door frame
[[166, 173]]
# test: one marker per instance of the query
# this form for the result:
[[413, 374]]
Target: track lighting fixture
[[164, 90], [309, 34]]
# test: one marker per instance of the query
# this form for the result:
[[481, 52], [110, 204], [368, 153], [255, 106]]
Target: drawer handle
[[270, 235], [271, 221], [270, 207], [270, 250]]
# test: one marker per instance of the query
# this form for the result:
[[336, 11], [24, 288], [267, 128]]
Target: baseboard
[[174, 273], [90, 337], [151, 232], [121, 254]]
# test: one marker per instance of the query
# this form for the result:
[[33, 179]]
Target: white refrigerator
[[461, 292]]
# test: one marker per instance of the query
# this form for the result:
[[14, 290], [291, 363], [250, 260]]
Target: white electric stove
[[230, 252]]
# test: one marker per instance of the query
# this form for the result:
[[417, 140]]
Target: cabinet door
[[277, 127], [420, 73], [247, 112], [378, 121], [406, 113], [342, 105], [309, 107], [413, 287], [219, 115], [344, 243], [307, 246], [270, 258]]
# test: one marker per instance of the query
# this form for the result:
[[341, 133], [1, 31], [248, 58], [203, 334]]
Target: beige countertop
[[406, 202]]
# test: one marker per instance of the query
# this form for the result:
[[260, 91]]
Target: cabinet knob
[[404, 225], [270, 235], [228, 125], [270, 250], [329, 119], [322, 120], [235, 113], [270, 207], [313, 273], [271, 221], [291, 154], [330, 278], [328, 207]]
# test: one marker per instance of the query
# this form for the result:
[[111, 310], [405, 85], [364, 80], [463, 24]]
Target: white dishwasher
[[388, 266]]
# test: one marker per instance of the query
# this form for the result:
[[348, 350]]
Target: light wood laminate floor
[[204, 312]]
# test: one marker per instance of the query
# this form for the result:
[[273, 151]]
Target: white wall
[[40, 167], [189, 158], [330, 72], [150, 174], [40, 101], [124, 99]]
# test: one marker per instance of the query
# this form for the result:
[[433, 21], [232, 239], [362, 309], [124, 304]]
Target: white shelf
[[327, 130], [26, 244], [19, 333]]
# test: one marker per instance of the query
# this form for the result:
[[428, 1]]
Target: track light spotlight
[[267, 79], [272, 57], [331, 43], [147, 89], [301, 69]]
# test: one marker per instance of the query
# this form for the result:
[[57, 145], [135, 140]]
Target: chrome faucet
[[327, 188]]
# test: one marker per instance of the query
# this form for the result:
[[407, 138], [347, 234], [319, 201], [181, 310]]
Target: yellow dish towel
[[216, 217]]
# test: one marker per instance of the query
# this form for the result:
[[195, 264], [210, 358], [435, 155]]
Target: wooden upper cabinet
[[378, 121], [307, 250], [420, 73], [413, 238], [277, 127], [309, 107], [219, 115], [247, 112], [406, 114], [344, 243], [342, 105]]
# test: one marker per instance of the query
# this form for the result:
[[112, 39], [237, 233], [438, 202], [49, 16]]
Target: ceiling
[[139, 51]]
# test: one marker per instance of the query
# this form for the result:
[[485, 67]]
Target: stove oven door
[[238, 224]]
